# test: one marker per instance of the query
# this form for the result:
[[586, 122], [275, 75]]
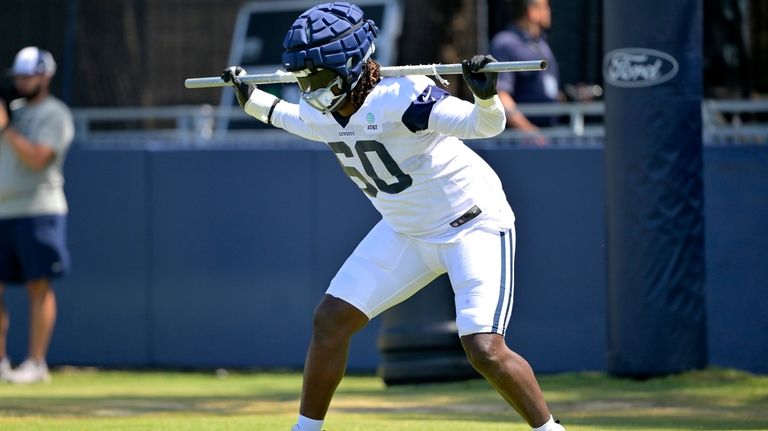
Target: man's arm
[[4, 118], [518, 120], [33, 156], [515, 118]]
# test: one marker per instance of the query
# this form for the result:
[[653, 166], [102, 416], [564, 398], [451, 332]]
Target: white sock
[[306, 424], [551, 425]]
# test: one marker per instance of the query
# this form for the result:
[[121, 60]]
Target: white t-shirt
[[402, 148]]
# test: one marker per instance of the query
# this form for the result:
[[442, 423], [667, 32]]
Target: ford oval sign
[[638, 67]]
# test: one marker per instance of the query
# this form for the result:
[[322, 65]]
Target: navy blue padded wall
[[231, 251], [558, 319], [104, 303], [177, 261], [736, 211], [245, 243]]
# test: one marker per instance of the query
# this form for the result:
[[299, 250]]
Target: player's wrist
[[488, 103], [261, 105]]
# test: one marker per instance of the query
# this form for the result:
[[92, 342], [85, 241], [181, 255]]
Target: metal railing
[[726, 122], [735, 121], [194, 123]]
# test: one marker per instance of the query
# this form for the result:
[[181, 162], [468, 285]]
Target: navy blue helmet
[[332, 36]]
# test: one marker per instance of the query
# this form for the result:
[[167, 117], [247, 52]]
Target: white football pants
[[387, 267]]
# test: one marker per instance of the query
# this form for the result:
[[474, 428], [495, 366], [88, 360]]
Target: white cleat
[[30, 371], [5, 368]]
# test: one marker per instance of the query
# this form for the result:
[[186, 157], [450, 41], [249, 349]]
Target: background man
[[525, 39], [32, 204]]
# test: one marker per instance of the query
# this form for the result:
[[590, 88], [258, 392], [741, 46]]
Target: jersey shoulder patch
[[416, 116]]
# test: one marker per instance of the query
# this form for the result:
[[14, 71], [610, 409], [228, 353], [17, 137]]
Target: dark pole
[[654, 192], [70, 39]]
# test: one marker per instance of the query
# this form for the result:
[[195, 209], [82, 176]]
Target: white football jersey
[[402, 148]]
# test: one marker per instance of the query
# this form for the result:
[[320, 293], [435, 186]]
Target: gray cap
[[33, 61]]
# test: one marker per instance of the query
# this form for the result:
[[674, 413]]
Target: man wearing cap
[[32, 204]]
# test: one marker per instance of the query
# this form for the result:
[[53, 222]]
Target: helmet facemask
[[317, 86], [317, 89]]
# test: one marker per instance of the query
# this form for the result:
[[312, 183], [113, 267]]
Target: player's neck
[[348, 109]]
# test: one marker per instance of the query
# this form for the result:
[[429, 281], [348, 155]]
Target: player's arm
[[483, 118], [266, 107]]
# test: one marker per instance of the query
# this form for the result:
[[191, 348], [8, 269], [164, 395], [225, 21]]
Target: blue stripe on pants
[[511, 285], [502, 284]]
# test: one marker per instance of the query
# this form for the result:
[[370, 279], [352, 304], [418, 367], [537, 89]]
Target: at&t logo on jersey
[[371, 128]]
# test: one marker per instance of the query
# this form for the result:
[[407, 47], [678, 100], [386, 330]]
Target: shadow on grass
[[624, 422], [137, 406]]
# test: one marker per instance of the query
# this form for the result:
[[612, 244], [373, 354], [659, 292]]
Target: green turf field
[[111, 400]]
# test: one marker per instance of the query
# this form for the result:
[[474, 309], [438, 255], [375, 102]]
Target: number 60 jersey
[[402, 148]]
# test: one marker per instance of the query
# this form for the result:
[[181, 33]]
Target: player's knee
[[484, 351], [336, 319]]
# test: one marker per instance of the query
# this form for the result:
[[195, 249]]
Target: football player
[[443, 208]]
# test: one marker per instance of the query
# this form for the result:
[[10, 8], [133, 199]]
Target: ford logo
[[638, 67]]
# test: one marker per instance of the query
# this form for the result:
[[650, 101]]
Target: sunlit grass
[[123, 400]]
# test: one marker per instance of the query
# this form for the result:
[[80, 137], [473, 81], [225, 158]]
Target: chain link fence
[[123, 52]]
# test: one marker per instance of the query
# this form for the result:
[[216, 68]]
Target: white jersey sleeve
[[455, 117], [286, 116]]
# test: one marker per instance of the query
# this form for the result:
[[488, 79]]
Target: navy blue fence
[[217, 257]]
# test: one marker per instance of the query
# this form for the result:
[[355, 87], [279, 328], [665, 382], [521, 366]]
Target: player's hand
[[483, 85], [243, 91], [233, 74]]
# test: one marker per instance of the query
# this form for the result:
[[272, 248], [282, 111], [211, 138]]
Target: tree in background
[[439, 31]]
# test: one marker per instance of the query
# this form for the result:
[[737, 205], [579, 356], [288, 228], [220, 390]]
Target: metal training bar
[[283, 77]]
